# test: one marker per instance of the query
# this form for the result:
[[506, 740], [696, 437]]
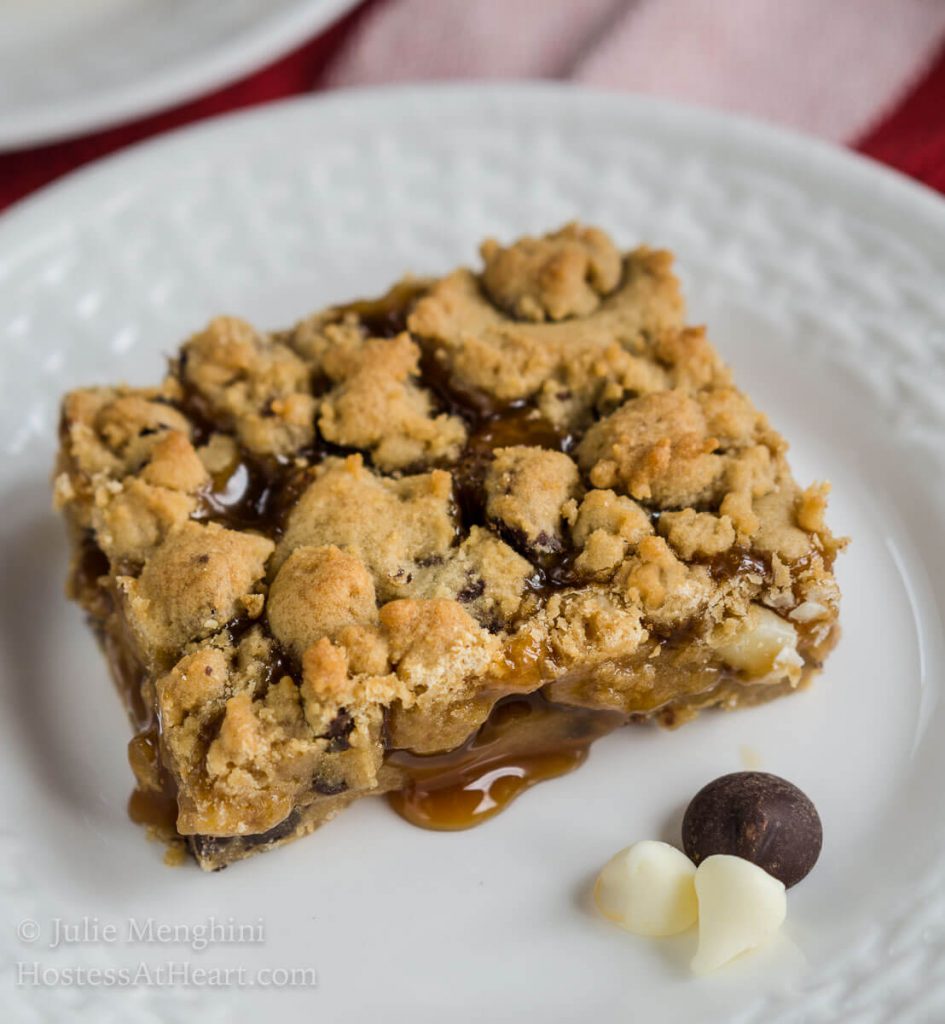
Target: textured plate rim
[[255, 47], [810, 158]]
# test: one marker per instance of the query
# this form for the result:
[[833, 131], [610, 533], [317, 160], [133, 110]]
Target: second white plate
[[71, 67]]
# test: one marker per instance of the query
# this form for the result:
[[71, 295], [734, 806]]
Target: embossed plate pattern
[[821, 279]]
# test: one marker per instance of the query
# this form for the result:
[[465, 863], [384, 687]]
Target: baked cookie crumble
[[519, 505]]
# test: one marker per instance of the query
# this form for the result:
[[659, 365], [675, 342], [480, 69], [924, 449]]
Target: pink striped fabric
[[830, 67]]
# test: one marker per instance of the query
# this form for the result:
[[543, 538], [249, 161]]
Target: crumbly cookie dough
[[309, 548]]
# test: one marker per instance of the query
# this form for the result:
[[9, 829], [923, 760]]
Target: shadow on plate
[[49, 657]]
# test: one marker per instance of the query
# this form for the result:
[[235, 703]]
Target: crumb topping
[[694, 534], [486, 576], [655, 447], [606, 527], [112, 431], [200, 578], [557, 276], [131, 518], [570, 367], [394, 526], [316, 592], [377, 405], [356, 535], [251, 383], [593, 625], [526, 489], [669, 591]]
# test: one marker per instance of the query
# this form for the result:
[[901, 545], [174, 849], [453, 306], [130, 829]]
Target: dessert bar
[[433, 545]]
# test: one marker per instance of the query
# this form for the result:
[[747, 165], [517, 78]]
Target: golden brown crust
[[569, 368], [317, 592], [252, 384], [526, 490], [358, 534], [198, 580], [557, 276], [376, 404], [394, 526]]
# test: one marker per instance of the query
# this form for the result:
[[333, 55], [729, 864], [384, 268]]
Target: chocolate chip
[[325, 787], [425, 563], [339, 729], [472, 590], [547, 543], [759, 817], [210, 847], [285, 828]]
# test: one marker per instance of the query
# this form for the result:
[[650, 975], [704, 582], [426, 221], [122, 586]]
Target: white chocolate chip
[[648, 889], [788, 661], [765, 644], [807, 611], [740, 906]]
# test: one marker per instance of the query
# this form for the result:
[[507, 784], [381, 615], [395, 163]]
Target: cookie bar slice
[[432, 545]]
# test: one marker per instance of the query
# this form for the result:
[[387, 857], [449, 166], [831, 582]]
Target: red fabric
[[911, 138], [24, 171]]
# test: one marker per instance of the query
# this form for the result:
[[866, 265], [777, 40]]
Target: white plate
[[70, 66], [820, 276]]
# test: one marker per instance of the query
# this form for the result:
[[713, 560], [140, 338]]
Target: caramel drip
[[157, 810], [523, 742], [153, 801], [255, 494], [386, 316]]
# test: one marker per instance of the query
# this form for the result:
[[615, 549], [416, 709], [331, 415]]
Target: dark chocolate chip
[[547, 543], [339, 729], [472, 590], [210, 847], [760, 817], [285, 828], [325, 787]]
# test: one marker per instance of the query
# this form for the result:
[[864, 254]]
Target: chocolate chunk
[[209, 848], [760, 817], [285, 828], [326, 787], [475, 588], [339, 729]]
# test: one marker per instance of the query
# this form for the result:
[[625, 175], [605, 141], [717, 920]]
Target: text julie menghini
[[143, 931]]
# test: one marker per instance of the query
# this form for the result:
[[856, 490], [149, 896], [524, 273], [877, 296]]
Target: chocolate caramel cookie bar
[[432, 545]]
